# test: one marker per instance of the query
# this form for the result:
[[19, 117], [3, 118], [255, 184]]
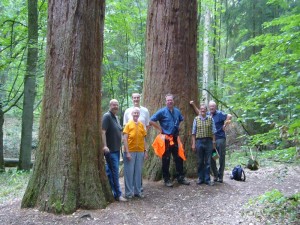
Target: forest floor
[[223, 203]]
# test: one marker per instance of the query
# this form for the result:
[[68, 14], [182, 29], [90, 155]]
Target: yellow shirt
[[136, 134]]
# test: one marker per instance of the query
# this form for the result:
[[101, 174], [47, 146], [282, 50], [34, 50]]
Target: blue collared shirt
[[169, 121], [194, 129], [219, 118]]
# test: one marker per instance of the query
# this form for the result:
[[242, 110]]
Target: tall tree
[[29, 87], [171, 67], [206, 53], [69, 167]]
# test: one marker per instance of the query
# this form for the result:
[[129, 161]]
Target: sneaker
[[184, 181], [168, 183], [139, 195], [122, 199], [215, 179], [209, 183], [199, 182], [220, 180], [128, 196]]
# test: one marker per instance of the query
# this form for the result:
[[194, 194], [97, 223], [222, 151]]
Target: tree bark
[[29, 87], [69, 168], [206, 54], [171, 67]]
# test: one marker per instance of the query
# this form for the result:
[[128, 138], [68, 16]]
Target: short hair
[[113, 101], [169, 95], [203, 104], [212, 103], [135, 109], [136, 94]]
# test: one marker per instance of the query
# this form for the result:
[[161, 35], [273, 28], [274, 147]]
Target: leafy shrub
[[275, 208]]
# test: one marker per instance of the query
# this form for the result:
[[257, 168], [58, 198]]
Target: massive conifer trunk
[[29, 87], [69, 168], [171, 67]]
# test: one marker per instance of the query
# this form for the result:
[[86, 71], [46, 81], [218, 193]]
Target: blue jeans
[[112, 171], [221, 148], [204, 151]]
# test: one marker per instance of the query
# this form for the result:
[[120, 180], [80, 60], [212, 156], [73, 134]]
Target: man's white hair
[[212, 103]]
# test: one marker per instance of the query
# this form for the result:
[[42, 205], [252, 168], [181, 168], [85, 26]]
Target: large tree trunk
[[29, 87], [206, 55], [69, 168], [171, 67]]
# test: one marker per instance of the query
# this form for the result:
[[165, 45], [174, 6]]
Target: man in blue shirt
[[219, 118], [169, 119]]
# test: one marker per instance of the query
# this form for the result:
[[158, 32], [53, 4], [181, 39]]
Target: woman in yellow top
[[135, 151]]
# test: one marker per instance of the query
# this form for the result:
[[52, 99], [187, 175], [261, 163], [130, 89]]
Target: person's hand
[[193, 147], [214, 145], [128, 155], [192, 102], [106, 149], [146, 155]]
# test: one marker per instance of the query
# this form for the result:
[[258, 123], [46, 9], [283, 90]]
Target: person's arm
[[214, 130], [126, 149], [197, 111], [193, 142], [227, 121], [194, 130], [105, 148], [156, 126], [146, 150]]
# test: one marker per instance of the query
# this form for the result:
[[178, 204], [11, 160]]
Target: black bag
[[238, 173]]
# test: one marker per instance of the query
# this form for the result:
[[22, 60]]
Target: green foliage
[[264, 158], [124, 44], [266, 86], [275, 208], [12, 184], [13, 42]]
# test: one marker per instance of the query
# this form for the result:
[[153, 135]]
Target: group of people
[[207, 134]]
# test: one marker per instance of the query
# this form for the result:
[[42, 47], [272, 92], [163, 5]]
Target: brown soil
[[194, 204]]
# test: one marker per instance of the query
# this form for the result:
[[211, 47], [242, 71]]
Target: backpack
[[238, 173]]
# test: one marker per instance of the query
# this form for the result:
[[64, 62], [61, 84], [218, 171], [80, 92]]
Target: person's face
[[169, 101], [203, 110], [136, 99], [135, 115], [114, 107], [212, 108]]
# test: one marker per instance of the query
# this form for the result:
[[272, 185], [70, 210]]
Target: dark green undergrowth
[[274, 208], [12, 184], [264, 158]]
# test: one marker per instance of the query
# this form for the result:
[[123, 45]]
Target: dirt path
[[194, 204]]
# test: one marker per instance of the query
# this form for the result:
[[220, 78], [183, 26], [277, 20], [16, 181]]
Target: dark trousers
[[166, 158], [221, 148], [204, 151]]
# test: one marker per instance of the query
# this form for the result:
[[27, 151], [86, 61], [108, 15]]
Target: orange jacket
[[159, 145]]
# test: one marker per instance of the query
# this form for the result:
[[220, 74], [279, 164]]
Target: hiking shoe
[[122, 199], [184, 181], [209, 183], [199, 182], [215, 179], [220, 180], [139, 195], [168, 183], [128, 196]]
